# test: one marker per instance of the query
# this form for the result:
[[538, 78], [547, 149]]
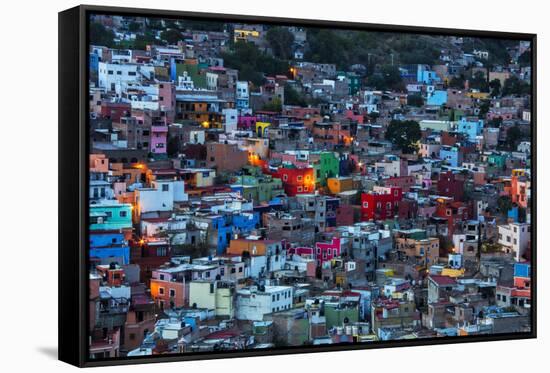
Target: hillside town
[[259, 186]]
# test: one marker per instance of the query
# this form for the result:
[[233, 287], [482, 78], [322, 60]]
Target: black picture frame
[[73, 183]]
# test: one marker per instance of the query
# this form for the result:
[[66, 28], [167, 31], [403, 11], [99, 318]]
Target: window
[[165, 187], [123, 214], [172, 293], [161, 291], [161, 277], [131, 73]]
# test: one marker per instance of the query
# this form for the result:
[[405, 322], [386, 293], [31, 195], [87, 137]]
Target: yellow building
[[452, 272], [213, 295], [339, 184], [261, 127], [478, 95]]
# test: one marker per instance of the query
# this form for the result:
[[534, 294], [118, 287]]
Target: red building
[[451, 185], [296, 180], [115, 110], [322, 252], [383, 203], [452, 211]]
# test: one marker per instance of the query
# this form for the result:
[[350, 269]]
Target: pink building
[[159, 132], [321, 253], [246, 122], [167, 100]]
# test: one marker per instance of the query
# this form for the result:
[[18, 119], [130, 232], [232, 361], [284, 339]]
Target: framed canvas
[[234, 186]]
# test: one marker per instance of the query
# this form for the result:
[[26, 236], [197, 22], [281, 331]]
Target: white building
[[110, 74], [230, 120], [253, 302], [514, 238], [160, 197], [242, 96]]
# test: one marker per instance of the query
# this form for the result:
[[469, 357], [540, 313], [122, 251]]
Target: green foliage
[[134, 26], [292, 97], [515, 86], [504, 204], [275, 105], [479, 82], [387, 78], [457, 82], [496, 87], [142, 40], [484, 108], [345, 48], [251, 62], [100, 35], [525, 58], [495, 122], [513, 136], [404, 134], [415, 100], [171, 36], [280, 40]]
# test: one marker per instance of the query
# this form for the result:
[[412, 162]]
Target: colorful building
[[381, 204]]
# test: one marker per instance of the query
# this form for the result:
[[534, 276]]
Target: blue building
[[94, 62], [109, 246], [437, 98], [522, 270], [451, 155], [225, 226], [470, 128], [426, 76]]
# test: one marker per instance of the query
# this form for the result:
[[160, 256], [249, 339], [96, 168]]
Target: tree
[[496, 87], [415, 100], [404, 134], [388, 77], [251, 62], [515, 86], [292, 97], [479, 82], [457, 82], [484, 108], [134, 26], [100, 35], [504, 204], [525, 58], [275, 105], [171, 36], [513, 135], [280, 40], [495, 122]]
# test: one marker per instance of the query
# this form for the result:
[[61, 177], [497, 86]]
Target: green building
[[328, 166], [497, 160], [256, 186], [337, 314], [110, 215]]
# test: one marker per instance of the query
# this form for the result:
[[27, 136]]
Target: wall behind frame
[[29, 191]]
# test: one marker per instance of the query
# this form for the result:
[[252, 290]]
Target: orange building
[[253, 247]]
